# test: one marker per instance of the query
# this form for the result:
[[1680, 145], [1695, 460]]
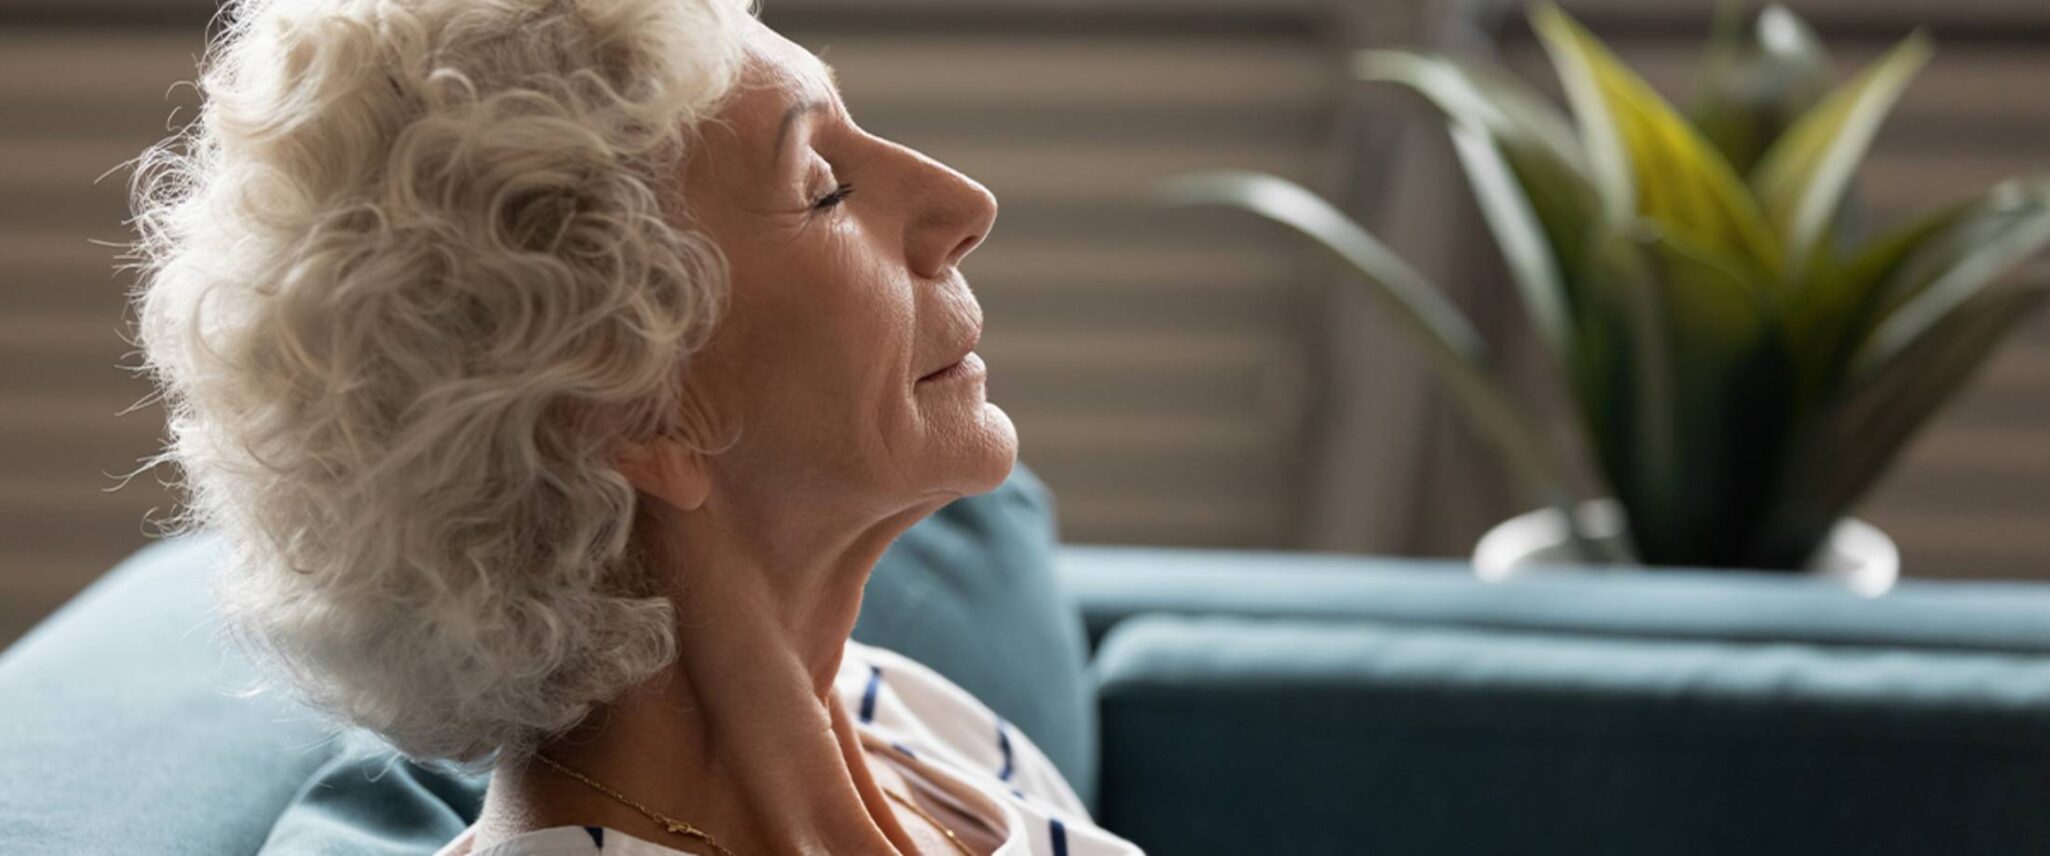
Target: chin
[[987, 461]]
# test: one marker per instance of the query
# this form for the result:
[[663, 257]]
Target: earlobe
[[670, 471]]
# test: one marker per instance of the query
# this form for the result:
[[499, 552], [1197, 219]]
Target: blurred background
[[1179, 377]]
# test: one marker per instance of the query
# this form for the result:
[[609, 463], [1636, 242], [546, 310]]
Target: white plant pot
[[1856, 555]]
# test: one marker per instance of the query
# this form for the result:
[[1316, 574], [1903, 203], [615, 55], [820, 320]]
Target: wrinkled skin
[[837, 309]]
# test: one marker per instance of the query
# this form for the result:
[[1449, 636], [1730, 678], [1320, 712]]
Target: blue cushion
[[1112, 583], [1355, 736], [118, 734]]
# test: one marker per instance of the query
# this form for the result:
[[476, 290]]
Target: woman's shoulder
[[883, 686], [865, 662], [914, 704]]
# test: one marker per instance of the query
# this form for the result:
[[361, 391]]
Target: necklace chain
[[675, 826], [951, 837], [680, 827]]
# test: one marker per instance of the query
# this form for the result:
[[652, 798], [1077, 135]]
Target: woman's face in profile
[[845, 301]]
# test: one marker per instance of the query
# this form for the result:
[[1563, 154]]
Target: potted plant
[[1743, 366]]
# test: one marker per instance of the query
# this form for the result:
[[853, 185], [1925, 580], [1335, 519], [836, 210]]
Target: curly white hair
[[411, 275]]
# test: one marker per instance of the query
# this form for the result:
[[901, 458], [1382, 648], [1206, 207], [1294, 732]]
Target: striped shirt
[[995, 785]]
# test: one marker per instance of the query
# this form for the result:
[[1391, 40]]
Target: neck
[[743, 735]]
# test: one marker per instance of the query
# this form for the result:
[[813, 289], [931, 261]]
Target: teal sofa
[[1312, 703]]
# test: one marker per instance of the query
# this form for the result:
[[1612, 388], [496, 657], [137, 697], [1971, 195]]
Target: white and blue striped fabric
[[958, 752]]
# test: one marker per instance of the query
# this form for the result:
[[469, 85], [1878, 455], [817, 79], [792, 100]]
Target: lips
[[960, 353]]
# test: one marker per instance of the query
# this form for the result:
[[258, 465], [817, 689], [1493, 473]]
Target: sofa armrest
[[121, 726], [1111, 584], [1356, 737]]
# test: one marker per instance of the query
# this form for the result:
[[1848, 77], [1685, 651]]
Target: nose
[[954, 213]]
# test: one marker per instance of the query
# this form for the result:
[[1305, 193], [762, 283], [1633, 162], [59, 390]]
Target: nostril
[[962, 249]]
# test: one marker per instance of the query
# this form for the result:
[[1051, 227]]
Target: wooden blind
[[75, 103], [1154, 361], [1161, 365]]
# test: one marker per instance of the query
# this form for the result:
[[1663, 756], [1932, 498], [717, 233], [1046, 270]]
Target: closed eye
[[838, 195]]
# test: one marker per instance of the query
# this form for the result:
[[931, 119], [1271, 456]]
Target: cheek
[[846, 330], [874, 332]]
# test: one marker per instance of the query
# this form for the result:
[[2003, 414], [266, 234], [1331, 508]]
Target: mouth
[[965, 363], [969, 366]]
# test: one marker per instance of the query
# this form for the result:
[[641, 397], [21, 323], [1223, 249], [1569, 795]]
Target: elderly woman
[[560, 369]]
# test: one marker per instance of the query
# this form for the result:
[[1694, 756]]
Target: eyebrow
[[803, 107], [790, 115]]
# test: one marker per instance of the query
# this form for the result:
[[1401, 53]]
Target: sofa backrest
[[119, 732]]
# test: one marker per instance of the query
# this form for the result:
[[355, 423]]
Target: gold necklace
[[680, 827], [951, 837], [672, 824]]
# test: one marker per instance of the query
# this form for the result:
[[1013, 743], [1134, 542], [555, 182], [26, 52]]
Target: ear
[[668, 470]]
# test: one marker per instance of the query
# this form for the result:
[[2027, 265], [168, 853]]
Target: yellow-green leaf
[[1842, 454], [1954, 265], [1530, 135], [1690, 420], [1647, 160], [1500, 105], [1833, 311], [1801, 180], [1755, 83]]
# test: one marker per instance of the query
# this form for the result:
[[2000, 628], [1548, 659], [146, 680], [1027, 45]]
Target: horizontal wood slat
[[1154, 359]]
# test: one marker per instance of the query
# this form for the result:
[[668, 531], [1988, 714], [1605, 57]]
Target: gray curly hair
[[407, 280]]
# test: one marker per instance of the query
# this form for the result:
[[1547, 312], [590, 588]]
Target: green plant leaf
[[1732, 371], [1756, 81], [1647, 160], [1841, 455], [1834, 310], [1706, 393], [1802, 178], [1523, 242], [1462, 359], [1417, 302], [1532, 135], [1623, 376], [1952, 265], [1521, 119], [1601, 137], [1881, 413], [1928, 320], [1524, 167]]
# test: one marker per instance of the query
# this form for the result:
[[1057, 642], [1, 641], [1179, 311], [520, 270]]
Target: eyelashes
[[839, 194]]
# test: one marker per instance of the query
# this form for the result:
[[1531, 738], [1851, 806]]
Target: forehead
[[770, 52], [777, 76], [778, 72]]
